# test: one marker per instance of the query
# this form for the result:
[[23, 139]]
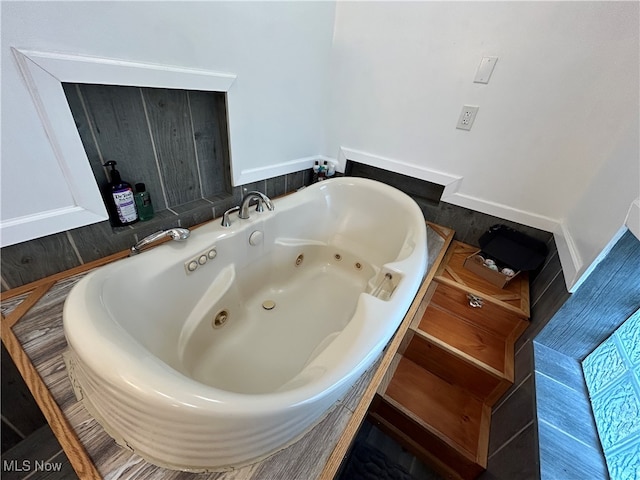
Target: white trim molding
[[573, 266], [110, 71], [502, 211], [43, 74], [451, 185], [450, 182], [251, 175], [633, 218]]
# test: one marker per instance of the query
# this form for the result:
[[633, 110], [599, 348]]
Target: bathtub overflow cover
[[268, 304]]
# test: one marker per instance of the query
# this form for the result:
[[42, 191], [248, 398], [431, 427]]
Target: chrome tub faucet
[[243, 208], [255, 195]]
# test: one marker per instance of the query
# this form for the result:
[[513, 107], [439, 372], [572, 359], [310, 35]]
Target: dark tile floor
[[40, 457], [375, 455], [37, 457]]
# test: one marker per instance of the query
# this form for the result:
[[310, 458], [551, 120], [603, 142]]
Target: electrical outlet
[[467, 117]]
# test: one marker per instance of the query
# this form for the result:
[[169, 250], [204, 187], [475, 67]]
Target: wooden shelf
[[441, 420], [492, 317], [482, 347], [449, 411], [440, 359]]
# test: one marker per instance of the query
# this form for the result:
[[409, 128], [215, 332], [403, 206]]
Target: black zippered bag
[[518, 251]]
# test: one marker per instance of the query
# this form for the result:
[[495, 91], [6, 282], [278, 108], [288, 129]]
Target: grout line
[[515, 435], [548, 261], [155, 150], [522, 346], [533, 304], [564, 432], [195, 146], [4, 283], [13, 427], [74, 246], [47, 461], [538, 372], [503, 401]]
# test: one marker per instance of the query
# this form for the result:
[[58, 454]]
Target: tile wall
[[30, 261], [568, 439], [612, 375]]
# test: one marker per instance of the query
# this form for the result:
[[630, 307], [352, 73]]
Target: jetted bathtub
[[224, 365]]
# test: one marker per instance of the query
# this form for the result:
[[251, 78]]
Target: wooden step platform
[[444, 422], [454, 363]]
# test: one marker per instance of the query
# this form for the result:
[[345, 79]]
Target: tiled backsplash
[[173, 141], [29, 261], [612, 374]]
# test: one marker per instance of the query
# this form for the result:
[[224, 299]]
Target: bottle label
[[125, 206]]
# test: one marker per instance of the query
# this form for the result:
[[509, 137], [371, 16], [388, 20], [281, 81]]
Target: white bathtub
[[161, 379]]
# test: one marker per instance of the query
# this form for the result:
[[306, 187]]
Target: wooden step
[[514, 297], [483, 348], [440, 421], [455, 368]]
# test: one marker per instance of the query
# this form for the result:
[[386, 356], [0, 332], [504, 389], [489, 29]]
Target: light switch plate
[[485, 69]]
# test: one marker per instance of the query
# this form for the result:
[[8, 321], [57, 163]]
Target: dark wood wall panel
[[211, 141], [122, 134], [77, 106], [170, 124], [29, 261]]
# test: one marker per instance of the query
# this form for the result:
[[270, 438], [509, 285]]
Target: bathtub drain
[[268, 304]]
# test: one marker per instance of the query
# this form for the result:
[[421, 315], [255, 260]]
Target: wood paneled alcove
[[174, 141]]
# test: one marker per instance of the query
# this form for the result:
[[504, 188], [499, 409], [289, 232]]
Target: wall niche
[[174, 141]]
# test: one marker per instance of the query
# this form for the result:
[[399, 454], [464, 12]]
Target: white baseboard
[[570, 258], [573, 266], [502, 211], [633, 218]]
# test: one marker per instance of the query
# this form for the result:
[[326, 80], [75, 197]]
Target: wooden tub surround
[[33, 335]]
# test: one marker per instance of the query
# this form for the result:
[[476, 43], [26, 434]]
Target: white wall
[[604, 206], [555, 143], [551, 120], [280, 53]]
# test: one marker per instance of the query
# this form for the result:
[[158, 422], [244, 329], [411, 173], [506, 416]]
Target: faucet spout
[[249, 197], [177, 234]]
